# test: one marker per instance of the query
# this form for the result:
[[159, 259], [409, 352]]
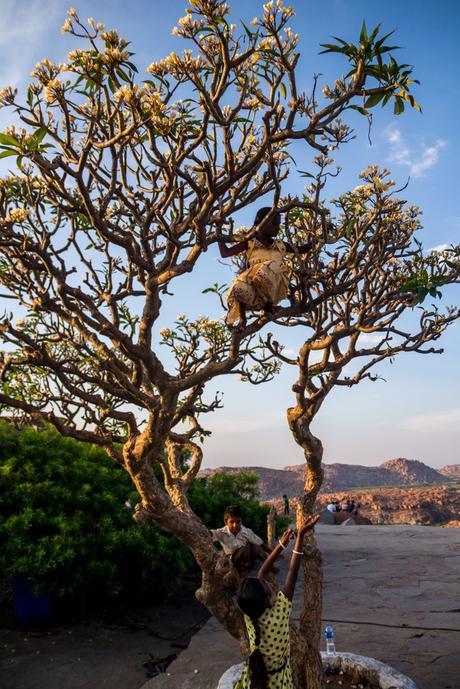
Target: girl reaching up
[[266, 280], [267, 619]]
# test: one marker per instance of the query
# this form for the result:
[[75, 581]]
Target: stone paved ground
[[391, 592]]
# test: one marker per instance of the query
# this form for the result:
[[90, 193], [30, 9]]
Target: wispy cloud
[[22, 29], [447, 421], [418, 161]]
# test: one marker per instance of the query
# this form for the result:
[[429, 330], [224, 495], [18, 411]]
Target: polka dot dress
[[274, 645]]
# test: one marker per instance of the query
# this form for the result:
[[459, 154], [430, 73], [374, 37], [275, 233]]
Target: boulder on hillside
[[327, 517], [358, 519], [338, 518], [341, 517], [349, 522], [451, 471]]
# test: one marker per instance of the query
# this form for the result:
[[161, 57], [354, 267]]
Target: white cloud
[[440, 249], [291, 352], [447, 421], [370, 338], [419, 161]]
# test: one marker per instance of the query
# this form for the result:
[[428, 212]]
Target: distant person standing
[[286, 504], [331, 506]]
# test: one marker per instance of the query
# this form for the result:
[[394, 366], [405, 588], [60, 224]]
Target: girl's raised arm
[[291, 577], [276, 552]]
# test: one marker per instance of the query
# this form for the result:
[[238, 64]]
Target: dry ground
[[98, 654]]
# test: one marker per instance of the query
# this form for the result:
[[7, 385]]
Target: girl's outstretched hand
[[286, 537], [308, 525]]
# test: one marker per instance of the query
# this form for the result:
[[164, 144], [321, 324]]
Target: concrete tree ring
[[375, 671], [230, 676]]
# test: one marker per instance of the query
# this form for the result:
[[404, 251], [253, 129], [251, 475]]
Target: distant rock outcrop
[[435, 505], [411, 472], [273, 483]]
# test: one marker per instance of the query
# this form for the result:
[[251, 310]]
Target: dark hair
[[233, 511], [263, 212], [252, 600]]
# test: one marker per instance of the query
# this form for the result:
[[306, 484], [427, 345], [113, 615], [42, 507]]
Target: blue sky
[[416, 413]]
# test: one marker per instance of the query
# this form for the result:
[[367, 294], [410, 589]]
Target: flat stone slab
[[390, 592]]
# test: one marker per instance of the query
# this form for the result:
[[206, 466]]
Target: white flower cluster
[[54, 91], [7, 96], [211, 7], [271, 7], [72, 16], [16, 215], [176, 65]]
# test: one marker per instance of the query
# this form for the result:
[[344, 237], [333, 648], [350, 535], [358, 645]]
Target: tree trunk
[[172, 513], [306, 658], [310, 616], [307, 669], [218, 599], [271, 526]]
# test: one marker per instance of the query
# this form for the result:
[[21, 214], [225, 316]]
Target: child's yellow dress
[[274, 645], [265, 281]]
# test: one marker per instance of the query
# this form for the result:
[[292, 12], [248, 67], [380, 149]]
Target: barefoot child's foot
[[269, 308]]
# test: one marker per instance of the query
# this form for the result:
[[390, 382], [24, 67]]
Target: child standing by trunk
[[267, 619]]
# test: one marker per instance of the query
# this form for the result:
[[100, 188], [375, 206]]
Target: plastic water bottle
[[330, 644]]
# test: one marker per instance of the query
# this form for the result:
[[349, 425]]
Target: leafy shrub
[[65, 526]]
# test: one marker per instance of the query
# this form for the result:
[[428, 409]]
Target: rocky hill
[[338, 477], [272, 483], [451, 471]]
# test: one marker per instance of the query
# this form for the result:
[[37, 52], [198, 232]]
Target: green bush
[[64, 524]]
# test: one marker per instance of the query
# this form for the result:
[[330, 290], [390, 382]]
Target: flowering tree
[[359, 298], [121, 187]]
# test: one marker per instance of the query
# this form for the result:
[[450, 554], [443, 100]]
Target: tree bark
[[310, 615], [216, 593], [271, 526], [306, 659]]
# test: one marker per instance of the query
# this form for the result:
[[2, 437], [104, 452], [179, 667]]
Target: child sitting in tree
[[241, 544], [267, 619], [266, 280]]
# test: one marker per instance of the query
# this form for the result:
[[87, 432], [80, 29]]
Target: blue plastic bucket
[[28, 607]]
